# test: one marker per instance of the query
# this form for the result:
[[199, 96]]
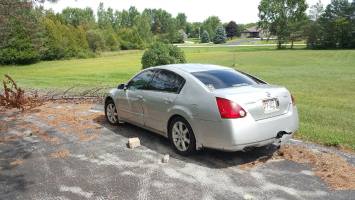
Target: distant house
[[252, 32]]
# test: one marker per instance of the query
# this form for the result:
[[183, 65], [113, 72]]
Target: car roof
[[193, 67]]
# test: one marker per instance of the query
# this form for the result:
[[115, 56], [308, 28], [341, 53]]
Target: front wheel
[[111, 113], [182, 137]]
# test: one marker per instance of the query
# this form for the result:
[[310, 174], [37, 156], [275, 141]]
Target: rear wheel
[[181, 136], [111, 112]]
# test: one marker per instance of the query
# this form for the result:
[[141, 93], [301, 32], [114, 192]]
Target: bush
[[130, 39], [14, 55], [19, 50], [205, 37], [95, 40], [220, 36], [162, 54], [17, 43]]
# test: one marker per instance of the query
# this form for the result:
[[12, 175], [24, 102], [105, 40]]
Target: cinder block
[[165, 158], [133, 143]]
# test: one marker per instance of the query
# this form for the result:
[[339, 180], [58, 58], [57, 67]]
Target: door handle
[[167, 100], [140, 97]]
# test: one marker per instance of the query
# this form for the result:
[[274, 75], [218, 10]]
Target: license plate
[[270, 105]]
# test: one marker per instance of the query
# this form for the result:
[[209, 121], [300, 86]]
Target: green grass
[[323, 81]]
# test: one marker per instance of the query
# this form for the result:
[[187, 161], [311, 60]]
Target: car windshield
[[220, 79]]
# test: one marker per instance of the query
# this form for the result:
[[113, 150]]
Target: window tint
[[141, 81], [167, 81], [219, 79], [258, 81]]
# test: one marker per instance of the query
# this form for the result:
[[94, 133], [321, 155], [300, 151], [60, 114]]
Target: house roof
[[251, 30]]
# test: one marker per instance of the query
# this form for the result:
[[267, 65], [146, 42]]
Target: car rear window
[[219, 79]]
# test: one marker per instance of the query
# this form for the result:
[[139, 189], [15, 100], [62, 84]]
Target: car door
[[160, 97], [130, 106]]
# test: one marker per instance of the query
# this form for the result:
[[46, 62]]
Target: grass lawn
[[323, 82]]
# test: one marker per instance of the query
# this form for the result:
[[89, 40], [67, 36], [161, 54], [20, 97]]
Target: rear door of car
[[160, 97], [130, 106]]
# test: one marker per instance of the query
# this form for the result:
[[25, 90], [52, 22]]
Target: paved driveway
[[68, 151]]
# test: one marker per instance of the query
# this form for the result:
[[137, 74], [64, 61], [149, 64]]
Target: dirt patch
[[11, 138], [330, 167], [60, 154], [333, 169], [255, 163], [37, 131], [3, 126], [72, 119], [16, 162]]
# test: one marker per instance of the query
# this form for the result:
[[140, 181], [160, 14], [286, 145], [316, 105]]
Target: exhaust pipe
[[281, 133]]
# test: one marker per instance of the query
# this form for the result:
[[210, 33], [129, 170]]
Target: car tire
[[111, 112], [182, 137]]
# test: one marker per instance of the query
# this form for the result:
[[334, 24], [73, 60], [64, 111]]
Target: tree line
[[29, 33], [332, 27]]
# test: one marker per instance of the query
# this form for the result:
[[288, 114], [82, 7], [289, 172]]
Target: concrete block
[[133, 143], [165, 159]]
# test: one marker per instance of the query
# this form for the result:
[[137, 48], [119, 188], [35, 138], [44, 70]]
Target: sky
[[241, 11]]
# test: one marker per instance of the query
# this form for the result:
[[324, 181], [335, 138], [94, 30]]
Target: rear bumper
[[237, 134]]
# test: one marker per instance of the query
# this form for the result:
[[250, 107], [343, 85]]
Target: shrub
[[95, 40], [15, 55], [130, 39], [17, 45], [220, 36], [162, 54], [205, 37]]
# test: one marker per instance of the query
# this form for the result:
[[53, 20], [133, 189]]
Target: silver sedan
[[198, 105]]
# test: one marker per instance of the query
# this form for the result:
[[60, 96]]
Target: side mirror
[[122, 86]]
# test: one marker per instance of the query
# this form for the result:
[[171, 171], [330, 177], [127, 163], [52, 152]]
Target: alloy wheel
[[111, 113], [181, 136]]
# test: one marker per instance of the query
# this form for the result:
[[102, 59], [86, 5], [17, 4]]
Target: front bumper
[[237, 134]]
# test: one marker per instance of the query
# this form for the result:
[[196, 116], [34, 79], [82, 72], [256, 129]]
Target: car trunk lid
[[261, 101]]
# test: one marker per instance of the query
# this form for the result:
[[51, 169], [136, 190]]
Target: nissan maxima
[[198, 105]]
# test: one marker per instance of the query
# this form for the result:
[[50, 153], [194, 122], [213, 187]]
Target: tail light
[[229, 109], [293, 100]]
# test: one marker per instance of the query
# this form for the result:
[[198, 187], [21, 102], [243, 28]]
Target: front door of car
[[130, 103], [160, 97]]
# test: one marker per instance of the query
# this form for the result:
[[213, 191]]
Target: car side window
[[166, 81], [140, 82]]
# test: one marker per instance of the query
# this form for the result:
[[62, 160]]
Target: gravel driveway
[[68, 151]]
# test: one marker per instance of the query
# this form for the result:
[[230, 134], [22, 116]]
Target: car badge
[[268, 94]]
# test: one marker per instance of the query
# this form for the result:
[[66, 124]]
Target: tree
[[231, 29], [162, 21], [133, 14], [195, 30], [277, 16], [297, 31], [210, 25], [111, 42], [78, 17], [162, 54], [205, 38], [336, 25], [95, 40], [19, 32], [129, 38], [316, 11], [105, 18], [144, 28], [18, 49], [220, 36], [181, 21]]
